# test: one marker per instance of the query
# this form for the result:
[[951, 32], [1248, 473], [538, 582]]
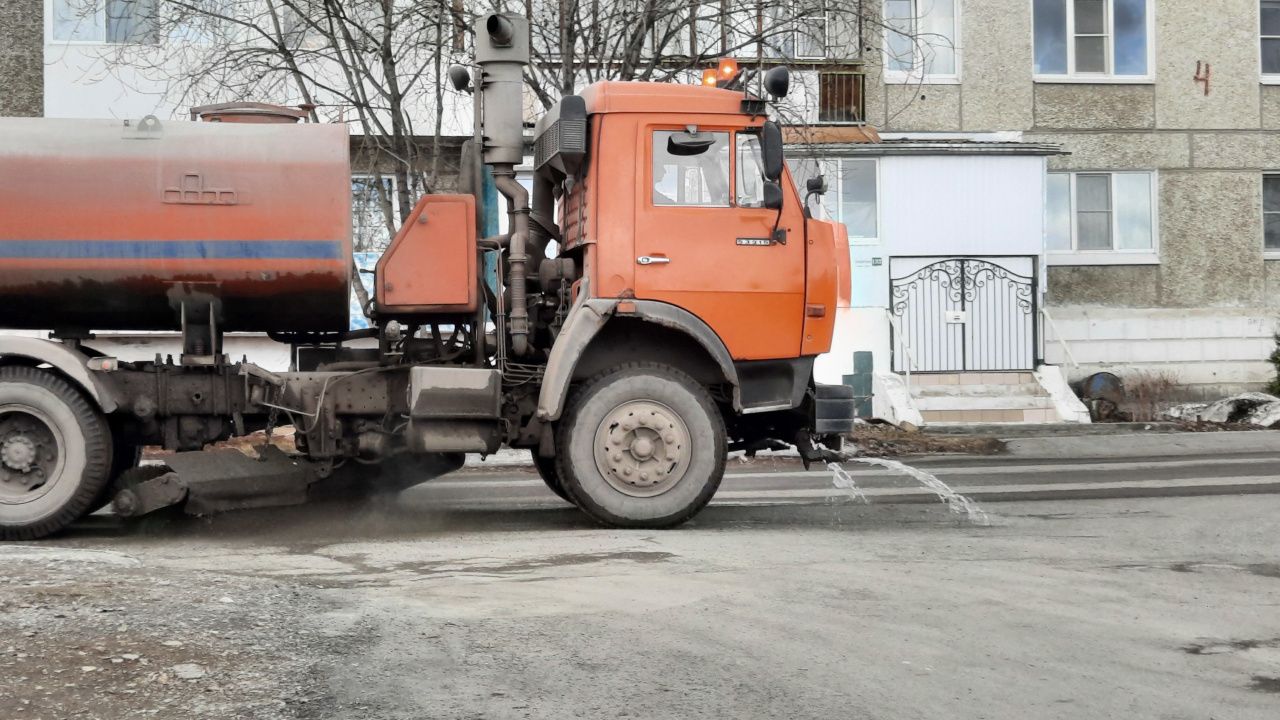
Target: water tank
[[111, 225]]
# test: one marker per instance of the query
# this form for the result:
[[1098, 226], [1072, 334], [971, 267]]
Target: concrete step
[[934, 418], [1031, 389], [984, 402], [972, 378]]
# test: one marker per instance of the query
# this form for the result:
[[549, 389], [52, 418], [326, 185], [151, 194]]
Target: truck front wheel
[[642, 445], [55, 453]]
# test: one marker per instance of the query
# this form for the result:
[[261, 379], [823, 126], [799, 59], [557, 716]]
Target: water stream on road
[[958, 504]]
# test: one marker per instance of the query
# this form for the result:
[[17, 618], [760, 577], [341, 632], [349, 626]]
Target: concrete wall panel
[[922, 107], [22, 57], [1118, 151], [1271, 292], [1072, 106], [1236, 150], [1210, 239], [1104, 285], [996, 69], [1270, 107], [1222, 33]]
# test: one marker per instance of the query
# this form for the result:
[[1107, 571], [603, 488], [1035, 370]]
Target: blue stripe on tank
[[172, 249]]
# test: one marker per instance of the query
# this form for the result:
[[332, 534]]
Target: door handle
[[653, 260]]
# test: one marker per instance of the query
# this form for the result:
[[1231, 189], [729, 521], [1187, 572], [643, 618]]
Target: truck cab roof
[[612, 96]]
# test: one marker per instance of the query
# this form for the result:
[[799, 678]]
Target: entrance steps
[[994, 397]]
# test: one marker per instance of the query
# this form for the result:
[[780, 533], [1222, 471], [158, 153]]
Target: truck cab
[[689, 254]]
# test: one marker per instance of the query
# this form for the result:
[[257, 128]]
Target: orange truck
[[678, 319]]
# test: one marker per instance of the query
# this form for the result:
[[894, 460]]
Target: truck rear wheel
[[55, 453], [642, 445], [550, 475]]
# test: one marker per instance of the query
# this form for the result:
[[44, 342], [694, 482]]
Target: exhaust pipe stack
[[502, 52]]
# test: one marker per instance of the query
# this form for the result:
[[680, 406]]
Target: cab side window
[[750, 185], [700, 180]]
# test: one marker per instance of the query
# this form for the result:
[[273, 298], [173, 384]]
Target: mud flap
[[219, 480]]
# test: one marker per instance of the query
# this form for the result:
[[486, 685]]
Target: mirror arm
[[773, 235]]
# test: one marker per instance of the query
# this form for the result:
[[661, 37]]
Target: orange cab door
[[702, 242]]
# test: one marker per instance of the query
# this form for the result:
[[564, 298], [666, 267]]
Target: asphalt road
[[483, 597]]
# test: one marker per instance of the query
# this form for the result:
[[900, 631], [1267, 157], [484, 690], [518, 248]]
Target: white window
[[851, 196], [1271, 213], [1270, 39], [104, 21], [1092, 39], [811, 35], [921, 41], [1100, 213]]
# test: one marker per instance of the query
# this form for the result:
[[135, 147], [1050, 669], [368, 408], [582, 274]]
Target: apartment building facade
[[1162, 220]]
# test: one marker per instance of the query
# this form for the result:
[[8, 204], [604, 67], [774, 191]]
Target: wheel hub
[[642, 448], [18, 453], [28, 453]]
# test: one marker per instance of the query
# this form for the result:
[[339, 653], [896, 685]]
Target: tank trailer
[[677, 318]]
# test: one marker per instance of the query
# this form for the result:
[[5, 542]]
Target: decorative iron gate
[[964, 314]]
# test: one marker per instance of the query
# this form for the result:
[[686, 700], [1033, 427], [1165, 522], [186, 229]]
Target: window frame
[[1109, 77], [826, 34], [830, 168], [1113, 255], [1265, 77], [916, 75], [1267, 253], [649, 186], [51, 40]]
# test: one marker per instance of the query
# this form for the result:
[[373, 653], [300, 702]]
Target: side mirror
[[771, 150], [777, 82], [816, 185], [689, 143], [460, 78], [772, 196]]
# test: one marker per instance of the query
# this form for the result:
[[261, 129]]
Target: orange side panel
[[844, 268], [821, 287], [431, 264]]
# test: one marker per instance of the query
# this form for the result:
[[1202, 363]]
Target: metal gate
[[963, 314]]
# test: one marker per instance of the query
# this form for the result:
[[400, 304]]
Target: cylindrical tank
[[112, 225]]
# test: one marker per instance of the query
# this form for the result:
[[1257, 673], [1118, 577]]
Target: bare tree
[[374, 64], [378, 64]]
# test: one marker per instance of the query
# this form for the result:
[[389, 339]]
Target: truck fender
[[588, 317], [15, 349]]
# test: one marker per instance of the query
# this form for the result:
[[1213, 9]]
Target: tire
[[124, 457], [673, 470], [54, 488], [550, 475]]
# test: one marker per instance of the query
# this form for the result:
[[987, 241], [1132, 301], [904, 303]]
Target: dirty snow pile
[[1253, 408]]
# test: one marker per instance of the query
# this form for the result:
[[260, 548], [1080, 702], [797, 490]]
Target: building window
[[1270, 32], [374, 211], [105, 21], [921, 37], [840, 97], [1100, 212], [851, 196], [1092, 38], [1271, 212]]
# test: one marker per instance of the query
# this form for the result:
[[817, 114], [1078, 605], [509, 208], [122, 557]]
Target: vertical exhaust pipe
[[502, 51]]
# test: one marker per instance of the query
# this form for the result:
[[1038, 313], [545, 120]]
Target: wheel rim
[[30, 454], [642, 448]]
